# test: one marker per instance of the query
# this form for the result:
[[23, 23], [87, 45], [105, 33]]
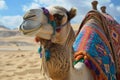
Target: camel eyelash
[[31, 16], [58, 16]]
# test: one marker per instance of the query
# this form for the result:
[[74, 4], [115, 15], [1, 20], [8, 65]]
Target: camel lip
[[35, 32], [26, 32]]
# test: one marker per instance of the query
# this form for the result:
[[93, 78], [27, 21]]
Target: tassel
[[39, 51], [47, 55]]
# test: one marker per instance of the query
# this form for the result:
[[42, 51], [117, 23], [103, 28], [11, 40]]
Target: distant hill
[[9, 33], [17, 43], [3, 28], [14, 37], [6, 32]]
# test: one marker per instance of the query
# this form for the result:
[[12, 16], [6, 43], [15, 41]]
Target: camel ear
[[72, 13]]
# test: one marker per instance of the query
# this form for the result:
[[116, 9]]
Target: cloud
[[114, 10], [65, 3], [31, 6], [83, 6], [44, 3], [3, 5], [51, 2], [11, 21], [118, 8]]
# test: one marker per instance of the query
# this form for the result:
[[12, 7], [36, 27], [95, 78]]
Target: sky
[[12, 11]]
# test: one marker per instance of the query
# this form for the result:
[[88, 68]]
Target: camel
[[51, 27], [55, 41]]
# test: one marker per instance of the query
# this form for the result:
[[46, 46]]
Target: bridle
[[52, 21]]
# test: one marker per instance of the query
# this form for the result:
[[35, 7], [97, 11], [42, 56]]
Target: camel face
[[36, 24], [50, 24]]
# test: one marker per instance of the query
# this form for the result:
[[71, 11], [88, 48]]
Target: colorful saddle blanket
[[114, 32], [94, 49]]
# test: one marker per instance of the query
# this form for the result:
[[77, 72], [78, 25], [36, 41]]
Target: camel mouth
[[29, 29], [29, 32], [36, 30]]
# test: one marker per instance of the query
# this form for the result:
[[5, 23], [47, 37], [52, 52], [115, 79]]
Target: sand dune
[[19, 62], [20, 65], [19, 59]]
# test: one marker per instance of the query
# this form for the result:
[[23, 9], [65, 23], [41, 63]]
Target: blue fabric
[[98, 50], [78, 40]]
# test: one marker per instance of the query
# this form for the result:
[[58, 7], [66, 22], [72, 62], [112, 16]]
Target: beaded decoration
[[50, 19], [47, 52]]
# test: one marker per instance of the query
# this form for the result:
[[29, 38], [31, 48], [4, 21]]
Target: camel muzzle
[[28, 27]]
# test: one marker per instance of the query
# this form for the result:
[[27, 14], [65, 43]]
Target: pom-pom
[[37, 39]]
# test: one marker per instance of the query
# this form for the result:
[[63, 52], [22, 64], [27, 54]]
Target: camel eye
[[58, 16], [29, 16]]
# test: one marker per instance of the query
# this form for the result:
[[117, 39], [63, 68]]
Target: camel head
[[49, 24]]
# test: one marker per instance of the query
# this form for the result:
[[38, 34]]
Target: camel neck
[[58, 66], [71, 38]]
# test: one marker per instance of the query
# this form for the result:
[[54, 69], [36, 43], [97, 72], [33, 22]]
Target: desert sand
[[18, 64], [19, 59]]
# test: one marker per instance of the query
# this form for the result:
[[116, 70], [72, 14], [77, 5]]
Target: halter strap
[[52, 21], [63, 25]]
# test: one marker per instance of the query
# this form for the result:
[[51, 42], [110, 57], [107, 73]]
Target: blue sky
[[11, 11]]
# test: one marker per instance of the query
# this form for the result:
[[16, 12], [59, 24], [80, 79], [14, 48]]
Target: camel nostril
[[25, 27], [22, 27]]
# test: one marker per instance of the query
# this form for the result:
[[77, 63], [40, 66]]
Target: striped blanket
[[114, 32], [98, 45]]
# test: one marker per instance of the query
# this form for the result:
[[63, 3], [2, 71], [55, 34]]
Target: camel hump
[[103, 9], [94, 5]]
